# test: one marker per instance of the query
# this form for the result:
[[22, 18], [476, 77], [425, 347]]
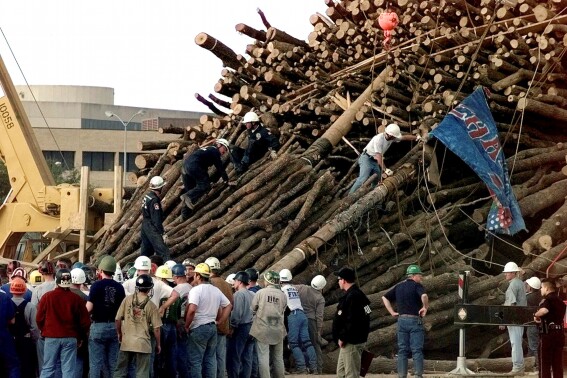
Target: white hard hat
[[222, 141], [230, 278], [118, 276], [143, 263], [285, 275], [213, 262], [78, 276], [156, 182], [170, 263], [393, 130], [534, 282], [318, 282], [250, 117], [511, 267]]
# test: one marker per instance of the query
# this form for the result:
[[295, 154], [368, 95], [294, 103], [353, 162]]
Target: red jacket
[[62, 313]]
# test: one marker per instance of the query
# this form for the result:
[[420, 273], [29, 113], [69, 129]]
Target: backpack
[[20, 328]]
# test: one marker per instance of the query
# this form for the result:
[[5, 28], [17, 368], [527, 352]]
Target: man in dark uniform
[[260, 141], [195, 173], [412, 303], [153, 234], [550, 316], [351, 325]]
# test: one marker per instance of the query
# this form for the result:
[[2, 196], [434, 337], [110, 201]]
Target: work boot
[[187, 201]]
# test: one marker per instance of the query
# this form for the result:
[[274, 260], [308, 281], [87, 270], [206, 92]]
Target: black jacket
[[351, 323], [203, 158], [260, 140], [152, 211]]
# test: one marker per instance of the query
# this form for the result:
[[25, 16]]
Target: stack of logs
[[294, 212]]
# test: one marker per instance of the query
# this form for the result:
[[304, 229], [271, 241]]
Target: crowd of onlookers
[[157, 319]]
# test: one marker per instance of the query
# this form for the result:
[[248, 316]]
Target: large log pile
[[341, 84]]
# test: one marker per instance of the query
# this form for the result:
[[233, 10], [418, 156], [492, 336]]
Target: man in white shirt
[[371, 160], [207, 306]]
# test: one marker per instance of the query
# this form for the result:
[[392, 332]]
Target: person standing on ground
[[104, 300], [169, 311], [351, 325], [260, 141], [371, 160], [64, 321], [222, 328], [313, 304], [550, 317], [153, 233], [533, 297], [268, 326], [254, 288], [515, 296], [181, 293], [240, 344], [24, 329], [208, 306], [47, 271], [195, 174], [298, 330], [8, 355], [136, 318], [412, 304]]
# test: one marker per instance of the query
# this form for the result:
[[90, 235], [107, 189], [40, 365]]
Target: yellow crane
[[35, 203]]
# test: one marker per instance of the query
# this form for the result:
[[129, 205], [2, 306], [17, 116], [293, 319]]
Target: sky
[[143, 49]]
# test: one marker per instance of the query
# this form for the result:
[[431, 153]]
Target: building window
[[99, 161], [130, 161], [65, 158]]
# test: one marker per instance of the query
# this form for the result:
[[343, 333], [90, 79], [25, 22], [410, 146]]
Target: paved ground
[[444, 375]]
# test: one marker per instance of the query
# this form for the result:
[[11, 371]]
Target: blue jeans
[[239, 352], [367, 166], [202, 345], [183, 367], [515, 333], [8, 356], [411, 336], [221, 355], [103, 349], [59, 349], [299, 341], [168, 356], [533, 341]]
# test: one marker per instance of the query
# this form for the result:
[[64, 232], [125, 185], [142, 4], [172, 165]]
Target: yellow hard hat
[[203, 269], [35, 278], [163, 272]]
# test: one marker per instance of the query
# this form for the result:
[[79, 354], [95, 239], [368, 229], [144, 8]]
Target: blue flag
[[470, 132]]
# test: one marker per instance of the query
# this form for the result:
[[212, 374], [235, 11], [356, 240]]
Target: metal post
[[110, 114], [124, 170], [461, 368]]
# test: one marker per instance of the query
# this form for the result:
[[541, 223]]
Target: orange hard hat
[[18, 286]]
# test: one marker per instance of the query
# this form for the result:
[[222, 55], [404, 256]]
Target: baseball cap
[[346, 274]]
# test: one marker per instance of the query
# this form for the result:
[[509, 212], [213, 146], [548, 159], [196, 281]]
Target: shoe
[[517, 372], [187, 201]]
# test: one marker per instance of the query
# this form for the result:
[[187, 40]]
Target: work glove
[[165, 238], [418, 138], [388, 172], [273, 155]]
